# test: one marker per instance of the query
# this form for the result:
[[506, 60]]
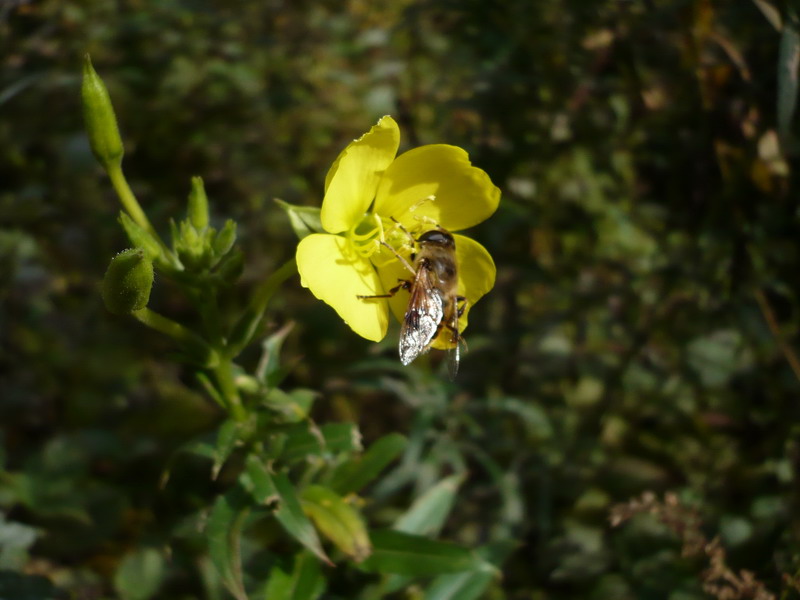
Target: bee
[[434, 305]]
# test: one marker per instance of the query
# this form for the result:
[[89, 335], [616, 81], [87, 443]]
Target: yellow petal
[[336, 275], [476, 276], [353, 178], [436, 182]]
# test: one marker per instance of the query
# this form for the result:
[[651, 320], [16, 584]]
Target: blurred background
[[642, 334]]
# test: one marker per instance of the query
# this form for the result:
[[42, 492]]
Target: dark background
[[640, 337]]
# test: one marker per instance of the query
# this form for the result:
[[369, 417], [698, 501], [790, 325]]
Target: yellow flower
[[367, 189]]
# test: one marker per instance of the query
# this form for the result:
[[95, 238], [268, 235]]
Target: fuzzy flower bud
[[128, 281]]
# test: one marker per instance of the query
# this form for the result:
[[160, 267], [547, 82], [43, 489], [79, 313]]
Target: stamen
[[416, 205], [365, 244]]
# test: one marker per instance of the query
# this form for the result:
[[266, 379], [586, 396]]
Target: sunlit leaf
[[338, 521], [304, 220], [459, 586], [429, 512]]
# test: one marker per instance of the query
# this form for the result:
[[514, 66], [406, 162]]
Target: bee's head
[[437, 237]]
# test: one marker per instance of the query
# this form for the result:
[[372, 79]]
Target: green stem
[[193, 343], [230, 393], [246, 327], [131, 204], [166, 326]]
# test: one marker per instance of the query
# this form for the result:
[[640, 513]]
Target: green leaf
[[193, 447], [460, 586], [140, 574], [294, 405], [277, 491], [338, 521], [140, 237], [472, 584], [223, 531], [308, 440], [406, 554], [305, 220], [357, 472], [225, 239], [305, 582], [269, 368], [429, 512], [227, 438]]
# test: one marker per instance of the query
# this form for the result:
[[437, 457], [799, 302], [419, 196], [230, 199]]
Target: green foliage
[[642, 335]]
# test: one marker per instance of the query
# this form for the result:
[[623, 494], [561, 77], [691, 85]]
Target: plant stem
[[223, 373], [131, 204], [192, 342]]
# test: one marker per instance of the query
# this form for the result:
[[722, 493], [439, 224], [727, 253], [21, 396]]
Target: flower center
[[367, 238], [366, 235]]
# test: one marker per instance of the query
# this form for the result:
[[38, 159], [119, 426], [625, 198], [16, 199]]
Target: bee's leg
[[463, 307], [456, 337], [403, 229], [404, 284], [399, 257]]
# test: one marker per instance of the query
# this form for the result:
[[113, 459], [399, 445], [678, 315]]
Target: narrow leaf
[[269, 366], [357, 472], [338, 521], [305, 582], [227, 437], [429, 512], [328, 439], [305, 220], [406, 554], [223, 531], [275, 490], [460, 586]]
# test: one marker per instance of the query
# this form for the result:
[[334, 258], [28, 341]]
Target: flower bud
[[101, 124], [198, 205], [128, 281], [225, 238]]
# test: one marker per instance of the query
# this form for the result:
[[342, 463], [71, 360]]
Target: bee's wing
[[423, 317]]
